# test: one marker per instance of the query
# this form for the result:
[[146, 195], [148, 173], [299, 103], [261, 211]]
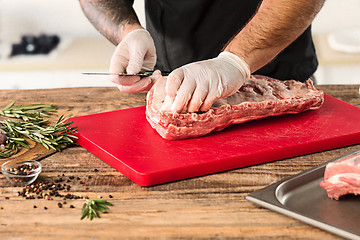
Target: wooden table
[[208, 207]]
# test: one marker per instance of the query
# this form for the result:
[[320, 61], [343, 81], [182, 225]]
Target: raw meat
[[342, 177], [259, 97]]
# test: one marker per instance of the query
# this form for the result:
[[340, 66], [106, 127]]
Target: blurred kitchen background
[[74, 46]]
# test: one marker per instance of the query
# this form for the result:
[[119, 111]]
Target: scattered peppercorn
[[58, 180], [48, 190]]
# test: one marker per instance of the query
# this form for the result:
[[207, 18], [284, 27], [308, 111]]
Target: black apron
[[185, 31]]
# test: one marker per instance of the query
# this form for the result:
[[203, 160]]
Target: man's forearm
[[276, 24], [112, 18]]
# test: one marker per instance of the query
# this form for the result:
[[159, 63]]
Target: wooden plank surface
[[208, 207]]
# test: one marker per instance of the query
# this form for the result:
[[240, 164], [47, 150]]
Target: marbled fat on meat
[[259, 97], [342, 177]]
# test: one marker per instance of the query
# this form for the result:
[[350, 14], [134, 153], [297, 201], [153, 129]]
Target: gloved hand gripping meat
[[196, 86]]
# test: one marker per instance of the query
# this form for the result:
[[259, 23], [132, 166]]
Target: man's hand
[[196, 86], [135, 53]]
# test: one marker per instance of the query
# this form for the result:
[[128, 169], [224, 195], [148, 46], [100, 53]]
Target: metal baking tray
[[301, 197]]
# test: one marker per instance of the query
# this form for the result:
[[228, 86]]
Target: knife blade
[[141, 74]]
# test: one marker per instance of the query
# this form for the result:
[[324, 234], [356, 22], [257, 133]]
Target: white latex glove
[[196, 86], [135, 53]]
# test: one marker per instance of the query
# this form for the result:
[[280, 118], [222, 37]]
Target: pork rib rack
[[259, 97], [342, 176]]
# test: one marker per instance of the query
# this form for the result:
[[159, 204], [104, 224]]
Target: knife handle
[[163, 73]]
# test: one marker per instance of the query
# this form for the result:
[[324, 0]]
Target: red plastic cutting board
[[125, 140]]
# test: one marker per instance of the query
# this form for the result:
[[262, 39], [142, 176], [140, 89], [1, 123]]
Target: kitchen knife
[[141, 74]]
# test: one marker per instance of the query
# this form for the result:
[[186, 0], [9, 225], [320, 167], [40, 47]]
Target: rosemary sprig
[[91, 208], [56, 137], [34, 127], [9, 150], [28, 112]]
